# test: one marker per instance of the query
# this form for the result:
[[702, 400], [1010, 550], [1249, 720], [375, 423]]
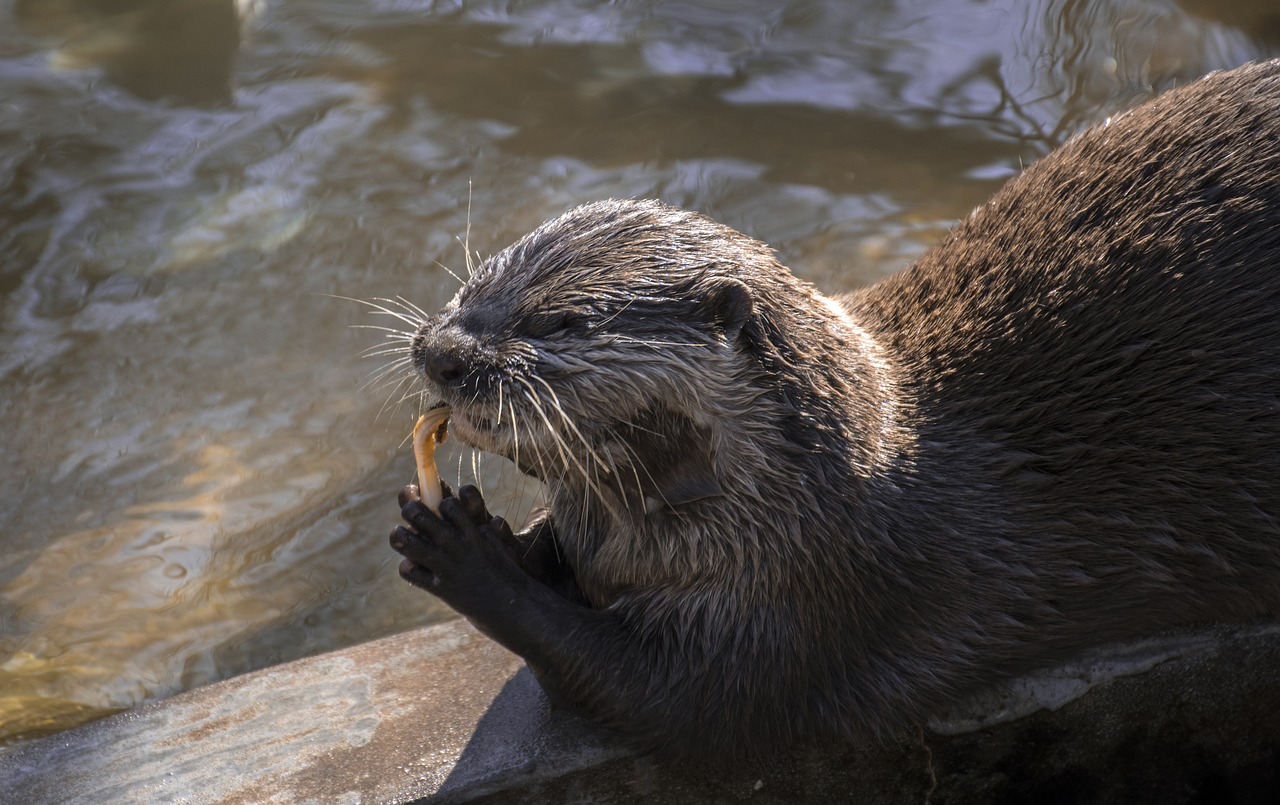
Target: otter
[[775, 516]]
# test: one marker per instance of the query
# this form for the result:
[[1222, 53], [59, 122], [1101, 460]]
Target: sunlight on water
[[199, 468]]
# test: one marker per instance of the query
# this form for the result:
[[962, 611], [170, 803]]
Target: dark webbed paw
[[464, 555]]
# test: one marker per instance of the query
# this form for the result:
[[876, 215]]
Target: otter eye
[[542, 325]]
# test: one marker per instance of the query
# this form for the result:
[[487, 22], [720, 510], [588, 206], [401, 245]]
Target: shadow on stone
[[520, 737]]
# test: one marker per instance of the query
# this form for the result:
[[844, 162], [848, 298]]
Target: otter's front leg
[[470, 559], [514, 588], [626, 669]]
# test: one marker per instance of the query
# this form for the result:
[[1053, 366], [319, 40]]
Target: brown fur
[[776, 516]]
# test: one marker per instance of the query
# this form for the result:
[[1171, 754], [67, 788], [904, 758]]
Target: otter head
[[613, 348]]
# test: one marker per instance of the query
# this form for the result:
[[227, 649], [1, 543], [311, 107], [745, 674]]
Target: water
[[198, 478]]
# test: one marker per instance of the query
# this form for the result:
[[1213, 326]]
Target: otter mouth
[[474, 429], [487, 434], [479, 424], [432, 429]]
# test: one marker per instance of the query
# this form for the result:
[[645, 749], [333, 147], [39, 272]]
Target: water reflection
[[196, 480], [174, 50]]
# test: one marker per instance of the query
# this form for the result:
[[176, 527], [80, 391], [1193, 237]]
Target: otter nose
[[442, 366]]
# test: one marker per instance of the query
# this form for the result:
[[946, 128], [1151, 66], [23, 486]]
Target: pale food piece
[[431, 429]]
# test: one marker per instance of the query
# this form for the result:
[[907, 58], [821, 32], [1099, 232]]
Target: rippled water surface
[[197, 476]]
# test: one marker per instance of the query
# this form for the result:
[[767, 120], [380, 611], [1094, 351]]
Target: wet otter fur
[[776, 516]]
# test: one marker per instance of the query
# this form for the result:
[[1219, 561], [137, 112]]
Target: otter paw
[[462, 555]]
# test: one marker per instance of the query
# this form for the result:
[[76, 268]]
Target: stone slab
[[442, 714]]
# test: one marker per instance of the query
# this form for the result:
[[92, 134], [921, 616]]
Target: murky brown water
[[196, 480]]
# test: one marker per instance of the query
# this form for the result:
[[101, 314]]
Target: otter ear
[[726, 304]]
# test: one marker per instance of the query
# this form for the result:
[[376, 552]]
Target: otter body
[[776, 516]]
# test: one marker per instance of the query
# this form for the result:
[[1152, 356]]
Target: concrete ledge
[[443, 715]]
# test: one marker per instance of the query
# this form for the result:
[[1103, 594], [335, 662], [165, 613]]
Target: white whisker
[[405, 335], [450, 271], [567, 420], [619, 311], [466, 243], [567, 455], [651, 343]]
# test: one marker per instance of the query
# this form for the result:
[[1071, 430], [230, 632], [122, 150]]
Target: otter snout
[[440, 366], [446, 357]]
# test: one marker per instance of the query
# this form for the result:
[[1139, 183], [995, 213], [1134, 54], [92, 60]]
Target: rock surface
[[441, 714]]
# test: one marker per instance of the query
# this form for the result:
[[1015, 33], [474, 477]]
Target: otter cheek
[[431, 429]]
